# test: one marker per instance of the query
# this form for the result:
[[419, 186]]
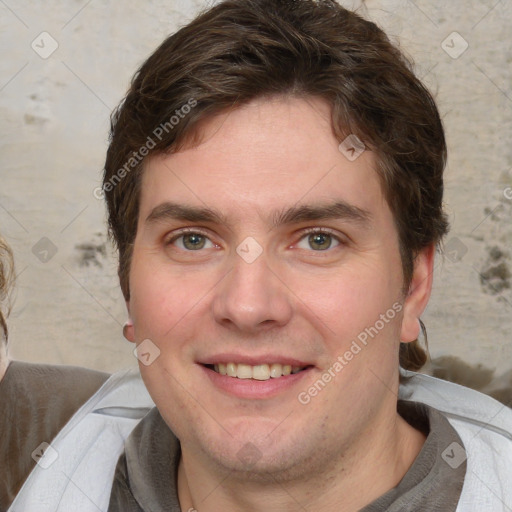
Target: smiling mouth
[[257, 372]]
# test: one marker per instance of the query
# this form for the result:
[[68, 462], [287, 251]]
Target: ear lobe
[[128, 329], [419, 294]]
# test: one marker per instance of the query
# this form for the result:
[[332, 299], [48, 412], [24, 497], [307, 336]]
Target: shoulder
[[31, 391], [485, 428], [46, 394], [20, 373], [457, 402]]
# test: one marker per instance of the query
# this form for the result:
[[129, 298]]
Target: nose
[[252, 298]]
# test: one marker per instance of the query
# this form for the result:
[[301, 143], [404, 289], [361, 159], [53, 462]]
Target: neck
[[342, 483]]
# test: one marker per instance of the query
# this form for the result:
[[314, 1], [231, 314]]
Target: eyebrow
[[340, 210], [175, 211]]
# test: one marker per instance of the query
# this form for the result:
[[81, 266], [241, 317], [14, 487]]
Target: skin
[[293, 300]]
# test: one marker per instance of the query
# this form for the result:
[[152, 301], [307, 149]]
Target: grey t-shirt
[[146, 473]]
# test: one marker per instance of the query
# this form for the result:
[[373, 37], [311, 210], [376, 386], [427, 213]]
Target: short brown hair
[[239, 50]]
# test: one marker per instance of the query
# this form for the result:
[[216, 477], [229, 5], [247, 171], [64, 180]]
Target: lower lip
[[252, 388]]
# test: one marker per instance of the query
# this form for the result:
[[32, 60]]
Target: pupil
[[193, 241], [320, 241]]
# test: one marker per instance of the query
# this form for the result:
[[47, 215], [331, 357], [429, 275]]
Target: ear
[[418, 295], [128, 328]]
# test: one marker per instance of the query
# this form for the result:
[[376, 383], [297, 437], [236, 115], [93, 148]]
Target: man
[[274, 188]]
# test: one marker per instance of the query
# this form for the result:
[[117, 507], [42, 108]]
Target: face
[[262, 251]]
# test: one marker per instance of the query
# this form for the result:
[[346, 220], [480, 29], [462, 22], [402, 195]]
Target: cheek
[[348, 300], [162, 309], [157, 301]]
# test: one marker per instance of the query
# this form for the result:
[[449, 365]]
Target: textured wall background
[[66, 64]]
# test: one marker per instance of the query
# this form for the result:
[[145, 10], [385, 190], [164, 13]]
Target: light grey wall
[[54, 114]]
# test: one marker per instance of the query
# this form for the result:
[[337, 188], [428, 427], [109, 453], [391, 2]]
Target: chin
[[250, 464], [256, 456]]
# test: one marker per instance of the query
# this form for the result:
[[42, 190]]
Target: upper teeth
[[258, 372]]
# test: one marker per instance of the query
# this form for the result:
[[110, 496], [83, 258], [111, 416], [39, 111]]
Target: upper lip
[[252, 360]]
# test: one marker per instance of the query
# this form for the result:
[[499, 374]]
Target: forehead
[[270, 153]]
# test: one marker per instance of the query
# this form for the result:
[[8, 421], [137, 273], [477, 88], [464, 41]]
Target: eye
[[191, 241], [318, 241]]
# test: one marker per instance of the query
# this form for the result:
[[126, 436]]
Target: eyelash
[[323, 231], [304, 233], [186, 231]]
